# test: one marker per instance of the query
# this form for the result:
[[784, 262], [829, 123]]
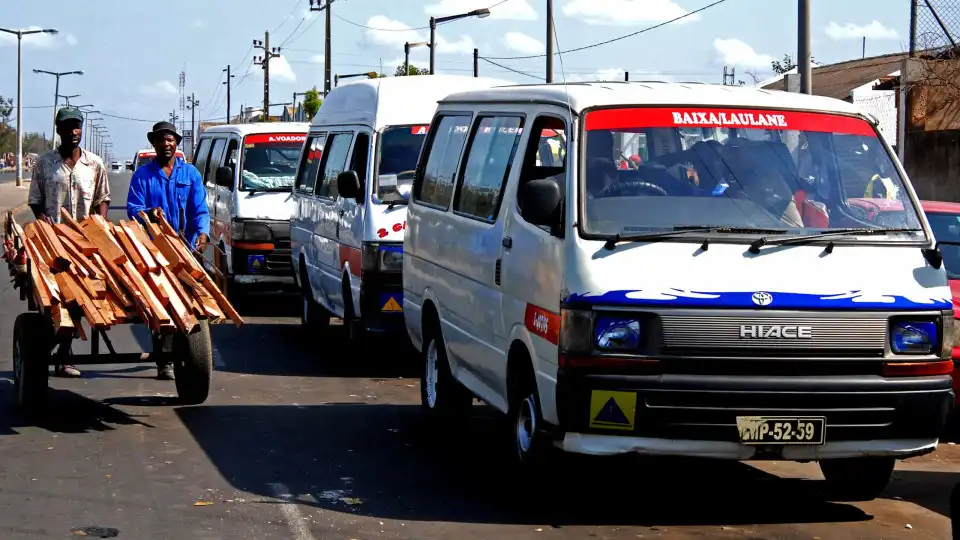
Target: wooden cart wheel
[[193, 364], [33, 338]]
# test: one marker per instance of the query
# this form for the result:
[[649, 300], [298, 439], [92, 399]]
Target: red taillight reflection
[[917, 369]]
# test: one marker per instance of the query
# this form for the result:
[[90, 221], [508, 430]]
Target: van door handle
[[507, 242]]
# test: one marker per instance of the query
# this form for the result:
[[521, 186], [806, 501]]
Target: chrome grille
[[718, 332]]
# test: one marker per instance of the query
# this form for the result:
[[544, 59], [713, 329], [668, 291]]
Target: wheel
[[440, 393], [193, 364], [526, 440], [857, 479], [33, 338], [352, 325], [314, 318]]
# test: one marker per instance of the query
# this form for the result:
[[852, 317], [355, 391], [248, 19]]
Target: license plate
[[780, 430]]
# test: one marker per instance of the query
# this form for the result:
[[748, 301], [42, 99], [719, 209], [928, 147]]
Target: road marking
[[288, 507]]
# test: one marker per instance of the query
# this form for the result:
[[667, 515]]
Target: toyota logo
[[762, 298]]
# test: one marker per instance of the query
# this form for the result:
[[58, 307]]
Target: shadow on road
[[385, 461], [65, 412]]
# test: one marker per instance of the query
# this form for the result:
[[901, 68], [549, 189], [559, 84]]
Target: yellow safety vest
[[888, 185]]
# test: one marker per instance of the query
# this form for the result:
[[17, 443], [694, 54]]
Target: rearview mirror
[[540, 202], [348, 185], [225, 177], [130, 167]]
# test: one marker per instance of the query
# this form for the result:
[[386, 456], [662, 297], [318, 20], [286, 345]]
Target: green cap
[[69, 113]]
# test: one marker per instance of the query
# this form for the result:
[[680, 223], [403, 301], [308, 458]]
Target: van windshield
[[144, 158], [397, 161], [654, 169], [269, 161]]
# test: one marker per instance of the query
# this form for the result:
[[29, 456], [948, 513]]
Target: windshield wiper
[[391, 204], [617, 238], [760, 242]]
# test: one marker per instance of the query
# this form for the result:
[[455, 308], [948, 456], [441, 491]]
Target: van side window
[[546, 157], [358, 163], [232, 154], [216, 158], [310, 163], [436, 186], [203, 152], [491, 149], [334, 164]]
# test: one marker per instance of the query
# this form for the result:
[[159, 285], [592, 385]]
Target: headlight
[[914, 337], [391, 259], [618, 334], [250, 231]]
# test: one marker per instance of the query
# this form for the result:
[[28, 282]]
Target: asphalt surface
[[302, 439]]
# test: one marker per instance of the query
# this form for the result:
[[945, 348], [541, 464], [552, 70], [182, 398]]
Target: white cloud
[[280, 70], [874, 30], [738, 53], [71, 39], [516, 10], [197, 23], [159, 88], [625, 12], [396, 33], [316, 59], [611, 74], [38, 41], [522, 43]]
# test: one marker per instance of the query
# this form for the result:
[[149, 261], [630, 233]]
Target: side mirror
[[540, 202], [348, 185], [225, 177], [130, 167]]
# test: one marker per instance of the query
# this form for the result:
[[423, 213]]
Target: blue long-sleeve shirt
[[183, 191]]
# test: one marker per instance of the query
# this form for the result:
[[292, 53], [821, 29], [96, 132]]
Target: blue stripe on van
[[851, 300]]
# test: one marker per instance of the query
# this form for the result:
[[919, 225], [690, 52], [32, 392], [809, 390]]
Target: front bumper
[[263, 266], [381, 302], [695, 415]]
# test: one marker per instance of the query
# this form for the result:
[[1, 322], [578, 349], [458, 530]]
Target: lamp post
[[95, 134], [406, 54], [20, 34], [56, 95], [369, 75], [68, 98], [85, 120], [434, 21]]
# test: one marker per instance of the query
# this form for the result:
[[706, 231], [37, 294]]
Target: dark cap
[[69, 113], [164, 127]]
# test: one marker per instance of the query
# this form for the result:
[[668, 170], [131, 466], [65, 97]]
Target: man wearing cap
[[71, 178], [176, 187]]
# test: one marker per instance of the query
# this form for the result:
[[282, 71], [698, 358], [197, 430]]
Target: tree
[[783, 66], [8, 135], [312, 102], [414, 70], [34, 143]]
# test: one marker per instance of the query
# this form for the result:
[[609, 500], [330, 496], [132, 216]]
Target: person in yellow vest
[[886, 188]]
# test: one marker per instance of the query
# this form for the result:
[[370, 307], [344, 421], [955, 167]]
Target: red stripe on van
[[351, 255]]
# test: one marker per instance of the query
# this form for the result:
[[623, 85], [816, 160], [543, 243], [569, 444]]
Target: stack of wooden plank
[[114, 273]]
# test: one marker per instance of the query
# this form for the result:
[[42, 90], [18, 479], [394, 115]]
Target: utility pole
[[192, 105], [327, 70], [549, 41], [626, 76], [229, 76], [729, 75], [264, 62], [803, 47], [476, 62], [183, 98]]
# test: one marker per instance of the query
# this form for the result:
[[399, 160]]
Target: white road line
[[288, 507]]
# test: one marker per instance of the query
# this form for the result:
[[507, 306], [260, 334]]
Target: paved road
[[304, 440]]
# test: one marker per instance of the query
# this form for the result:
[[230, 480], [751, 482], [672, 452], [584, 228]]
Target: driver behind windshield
[[259, 172]]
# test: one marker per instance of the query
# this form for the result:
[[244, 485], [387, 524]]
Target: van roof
[[594, 94], [394, 101], [260, 127]]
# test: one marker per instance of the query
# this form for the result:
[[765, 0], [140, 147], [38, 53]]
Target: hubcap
[[431, 374], [526, 424]]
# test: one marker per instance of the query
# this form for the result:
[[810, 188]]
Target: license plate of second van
[[779, 430]]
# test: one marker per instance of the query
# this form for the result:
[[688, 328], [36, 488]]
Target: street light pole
[[803, 47], [478, 13], [406, 54], [549, 78], [56, 98], [20, 34]]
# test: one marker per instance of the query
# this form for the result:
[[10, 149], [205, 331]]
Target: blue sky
[[132, 51]]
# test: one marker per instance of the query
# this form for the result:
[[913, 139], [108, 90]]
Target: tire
[[857, 479], [441, 395], [526, 441], [352, 326], [193, 364], [33, 338]]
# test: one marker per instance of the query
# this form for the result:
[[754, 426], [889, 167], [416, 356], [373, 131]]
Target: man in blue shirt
[[176, 187]]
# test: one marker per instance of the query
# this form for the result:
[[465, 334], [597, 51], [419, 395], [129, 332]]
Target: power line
[[511, 69], [404, 29], [592, 45]]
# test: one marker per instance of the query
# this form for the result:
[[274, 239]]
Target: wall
[[933, 164]]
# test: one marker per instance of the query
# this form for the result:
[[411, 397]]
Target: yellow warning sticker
[[392, 305], [613, 410]]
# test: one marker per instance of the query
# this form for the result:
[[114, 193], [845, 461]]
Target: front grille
[[719, 334], [282, 243], [278, 262]]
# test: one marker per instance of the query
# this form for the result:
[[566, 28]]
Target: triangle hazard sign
[[392, 305], [611, 414]]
